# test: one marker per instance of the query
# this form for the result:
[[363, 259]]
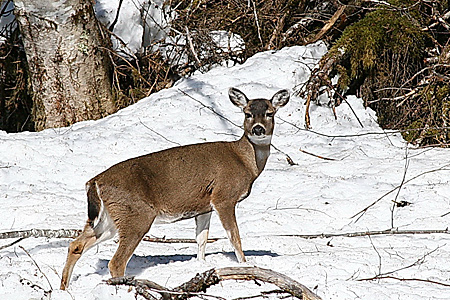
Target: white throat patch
[[262, 140]]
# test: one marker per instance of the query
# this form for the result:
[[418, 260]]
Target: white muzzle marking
[[260, 140]]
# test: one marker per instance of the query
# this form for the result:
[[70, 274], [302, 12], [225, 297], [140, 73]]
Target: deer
[[189, 181]]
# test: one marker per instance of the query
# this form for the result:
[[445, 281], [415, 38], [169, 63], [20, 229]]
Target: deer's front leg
[[202, 229], [228, 218]]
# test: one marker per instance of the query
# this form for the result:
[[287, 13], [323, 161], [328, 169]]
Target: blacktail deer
[[178, 183]]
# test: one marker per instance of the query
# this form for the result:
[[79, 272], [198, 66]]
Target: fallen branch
[[405, 279], [174, 241], [284, 282], [37, 233], [73, 233], [203, 281], [367, 233]]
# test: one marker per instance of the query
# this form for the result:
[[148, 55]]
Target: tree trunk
[[68, 62]]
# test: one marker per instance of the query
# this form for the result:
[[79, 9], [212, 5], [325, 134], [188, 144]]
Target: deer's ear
[[237, 97], [280, 99]]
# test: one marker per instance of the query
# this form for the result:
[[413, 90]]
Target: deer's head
[[259, 114]]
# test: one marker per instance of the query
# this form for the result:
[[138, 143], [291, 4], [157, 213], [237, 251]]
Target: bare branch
[[387, 275], [362, 212], [37, 266], [174, 241], [367, 233], [201, 282], [318, 156], [329, 24], [406, 279], [37, 233]]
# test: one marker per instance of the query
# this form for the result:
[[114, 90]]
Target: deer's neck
[[261, 150]]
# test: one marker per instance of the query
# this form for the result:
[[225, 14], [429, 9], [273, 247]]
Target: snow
[[42, 178], [140, 22]]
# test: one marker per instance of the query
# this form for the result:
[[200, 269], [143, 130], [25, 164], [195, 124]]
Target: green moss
[[428, 125], [380, 35]]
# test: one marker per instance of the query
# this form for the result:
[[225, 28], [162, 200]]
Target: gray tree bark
[[69, 66]]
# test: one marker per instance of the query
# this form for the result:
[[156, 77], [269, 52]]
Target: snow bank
[[42, 178]]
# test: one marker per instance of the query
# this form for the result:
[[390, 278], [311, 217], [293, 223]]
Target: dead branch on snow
[[203, 281]]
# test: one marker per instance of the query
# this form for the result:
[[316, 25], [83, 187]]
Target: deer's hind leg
[[86, 240], [131, 231]]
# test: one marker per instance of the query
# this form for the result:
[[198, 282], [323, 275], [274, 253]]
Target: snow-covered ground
[[42, 178]]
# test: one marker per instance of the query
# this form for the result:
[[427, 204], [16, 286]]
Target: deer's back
[[180, 181]]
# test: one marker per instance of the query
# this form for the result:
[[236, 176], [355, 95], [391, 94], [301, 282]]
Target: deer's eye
[[269, 115], [248, 116]]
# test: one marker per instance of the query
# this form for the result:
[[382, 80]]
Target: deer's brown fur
[[178, 183]]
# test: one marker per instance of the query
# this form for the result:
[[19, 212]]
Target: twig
[[290, 161], [257, 23], [262, 294], [344, 100], [334, 136], [11, 244], [329, 24], [315, 155], [287, 284], [111, 27], [209, 108], [400, 186], [378, 254], [307, 117], [362, 212], [419, 261], [276, 31], [37, 266], [157, 133], [406, 279], [191, 46]]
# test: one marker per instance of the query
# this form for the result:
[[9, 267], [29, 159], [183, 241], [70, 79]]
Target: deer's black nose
[[258, 130]]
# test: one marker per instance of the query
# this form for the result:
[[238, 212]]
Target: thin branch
[[290, 161], [367, 233], [276, 32], [37, 266], [329, 24], [387, 275], [175, 241], [111, 27], [158, 134], [191, 47], [362, 212], [318, 156], [400, 186], [406, 279], [11, 244], [257, 23], [209, 108], [334, 136]]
